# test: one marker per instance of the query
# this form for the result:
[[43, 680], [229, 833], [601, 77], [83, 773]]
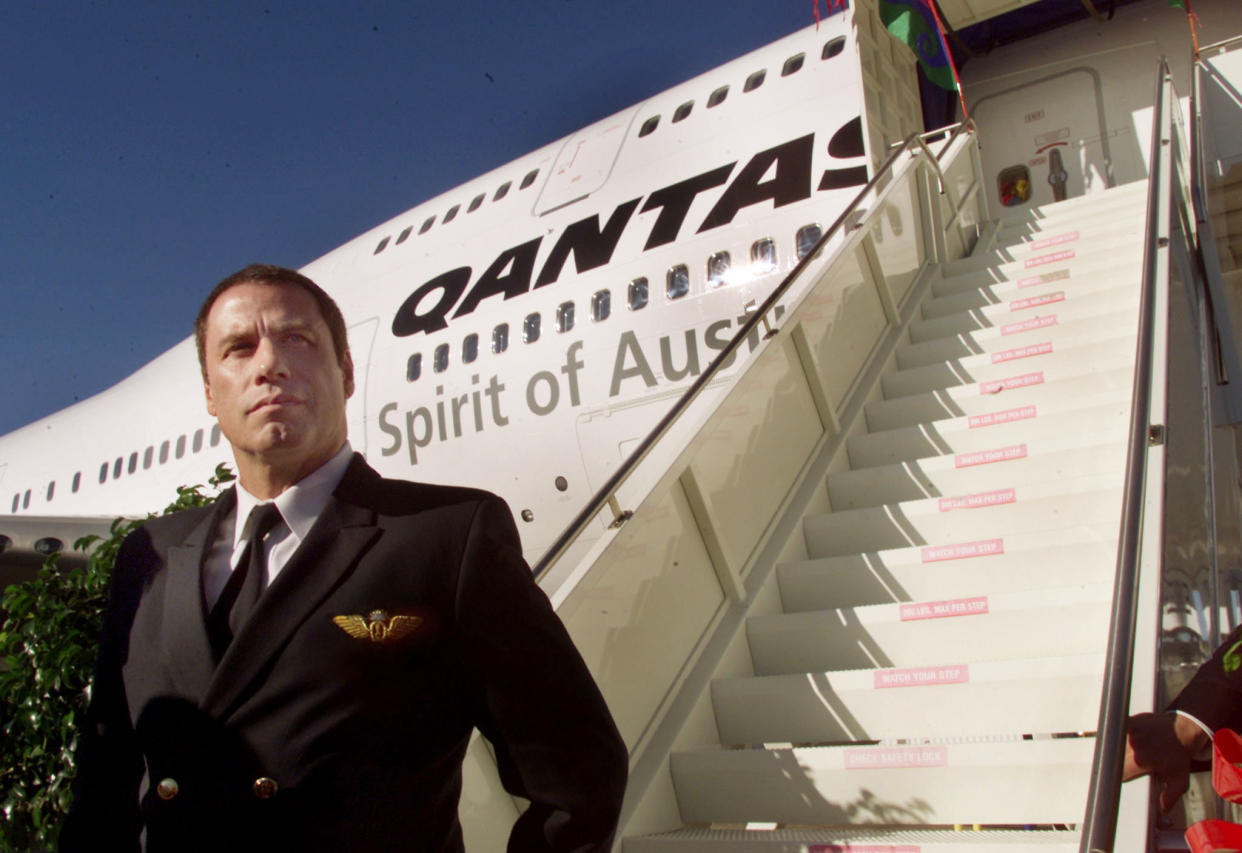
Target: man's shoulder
[[364, 485]]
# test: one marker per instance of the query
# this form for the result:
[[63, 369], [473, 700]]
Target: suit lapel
[[184, 640], [326, 557]]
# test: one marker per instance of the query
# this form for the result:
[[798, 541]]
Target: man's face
[[272, 378]]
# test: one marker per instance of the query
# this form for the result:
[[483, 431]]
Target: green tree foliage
[[48, 641]]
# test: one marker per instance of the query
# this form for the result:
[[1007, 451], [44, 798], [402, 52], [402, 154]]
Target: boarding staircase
[[937, 655], [891, 589]]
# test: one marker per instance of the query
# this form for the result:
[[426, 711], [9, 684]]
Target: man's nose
[[271, 360]]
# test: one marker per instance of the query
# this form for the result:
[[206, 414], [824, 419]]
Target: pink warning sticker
[[1028, 325], [997, 385], [1022, 413], [963, 550], [987, 457], [1044, 278], [1068, 237], [979, 500], [944, 610], [1048, 259], [922, 676], [1022, 352], [885, 757], [846, 847], [1036, 301]]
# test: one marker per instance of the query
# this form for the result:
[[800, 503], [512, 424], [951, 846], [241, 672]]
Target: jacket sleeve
[[104, 814], [556, 743], [1214, 695]]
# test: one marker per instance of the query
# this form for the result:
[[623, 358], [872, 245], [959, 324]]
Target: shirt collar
[[301, 503]]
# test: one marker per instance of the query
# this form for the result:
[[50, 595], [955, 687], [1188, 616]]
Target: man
[[1165, 745], [327, 703]]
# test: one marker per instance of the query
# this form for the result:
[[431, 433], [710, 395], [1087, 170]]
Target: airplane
[[535, 321], [458, 367]]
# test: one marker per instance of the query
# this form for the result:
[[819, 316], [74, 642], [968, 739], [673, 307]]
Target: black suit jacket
[[364, 739]]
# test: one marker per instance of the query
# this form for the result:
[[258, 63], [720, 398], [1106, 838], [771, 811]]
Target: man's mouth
[[274, 402]]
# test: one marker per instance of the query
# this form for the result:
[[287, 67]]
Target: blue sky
[[148, 149]]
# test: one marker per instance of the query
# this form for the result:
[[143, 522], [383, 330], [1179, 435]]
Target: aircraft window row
[[451, 213], [129, 464], [637, 296], [792, 66]]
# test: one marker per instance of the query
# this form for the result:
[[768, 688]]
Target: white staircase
[[930, 675]]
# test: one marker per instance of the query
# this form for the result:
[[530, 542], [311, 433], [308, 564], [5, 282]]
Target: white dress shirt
[[299, 505]]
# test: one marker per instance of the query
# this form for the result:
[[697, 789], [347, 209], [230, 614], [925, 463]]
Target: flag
[[1181, 4], [914, 22]]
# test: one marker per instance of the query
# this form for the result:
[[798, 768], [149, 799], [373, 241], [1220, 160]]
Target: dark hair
[[271, 274]]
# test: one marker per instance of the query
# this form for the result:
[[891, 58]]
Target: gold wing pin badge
[[378, 626]]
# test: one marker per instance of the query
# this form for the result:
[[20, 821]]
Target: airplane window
[[133, 462], [164, 452], [564, 316], [500, 338], [683, 111], [763, 255], [601, 305], [426, 226], [638, 294], [26, 500], [530, 328], [383, 244], [677, 282], [103, 473], [1013, 185], [808, 236], [755, 80], [198, 440], [717, 97], [529, 179], [833, 47], [469, 348], [439, 359], [649, 126], [717, 267], [116, 467], [404, 235], [793, 65], [414, 367], [148, 456], [502, 191], [180, 446], [51, 490], [215, 435], [77, 482], [16, 500], [475, 202], [452, 214]]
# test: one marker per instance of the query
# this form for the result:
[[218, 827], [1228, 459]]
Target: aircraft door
[[584, 163], [361, 339], [1047, 140]]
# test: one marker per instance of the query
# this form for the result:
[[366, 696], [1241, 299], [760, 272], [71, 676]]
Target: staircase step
[[1067, 243], [1005, 466], [764, 839], [1062, 621], [1031, 506], [1105, 416], [1014, 315], [1034, 696], [1004, 783], [1029, 383], [1125, 198], [1027, 560], [1040, 354], [1062, 326], [1033, 292]]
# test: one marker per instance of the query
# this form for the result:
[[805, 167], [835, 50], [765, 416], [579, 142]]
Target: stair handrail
[[1099, 825], [916, 146]]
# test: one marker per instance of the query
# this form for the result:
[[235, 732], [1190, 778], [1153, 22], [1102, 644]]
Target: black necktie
[[245, 584]]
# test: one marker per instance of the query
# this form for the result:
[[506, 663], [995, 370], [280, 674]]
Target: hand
[[1162, 745]]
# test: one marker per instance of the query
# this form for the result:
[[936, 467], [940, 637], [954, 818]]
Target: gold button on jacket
[[265, 787], [167, 788]]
